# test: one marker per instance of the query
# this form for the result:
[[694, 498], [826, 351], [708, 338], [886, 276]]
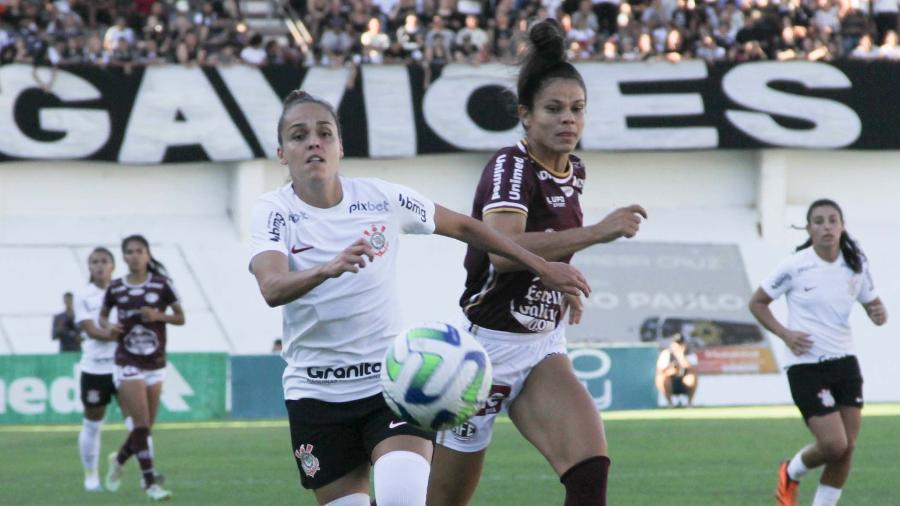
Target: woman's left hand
[[877, 312]]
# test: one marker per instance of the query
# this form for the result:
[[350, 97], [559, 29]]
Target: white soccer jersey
[[335, 336], [820, 296], [96, 355]]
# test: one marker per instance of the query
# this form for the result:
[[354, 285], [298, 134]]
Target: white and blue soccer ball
[[435, 377]]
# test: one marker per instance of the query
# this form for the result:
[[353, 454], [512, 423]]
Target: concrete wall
[[197, 216]]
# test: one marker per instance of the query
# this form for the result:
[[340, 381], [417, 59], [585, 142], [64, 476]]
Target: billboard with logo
[[647, 292], [46, 388]]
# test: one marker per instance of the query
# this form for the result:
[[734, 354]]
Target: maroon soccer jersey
[[142, 344], [513, 181]]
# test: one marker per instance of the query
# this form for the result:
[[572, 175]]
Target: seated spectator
[[225, 56], [787, 47], [254, 53], [374, 43], [674, 51], [610, 50], [709, 51], [865, 49], [95, 53], [889, 50], [580, 39], [853, 25], [148, 53], [645, 47], [122, 55], [335, 44], [585, 13], [886, 14], [189, 52], [675, 375]]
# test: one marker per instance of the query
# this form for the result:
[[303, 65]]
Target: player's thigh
[[852, 419], [558, 416], [154, 392], [454, 476], [829, 430], [133, 395]]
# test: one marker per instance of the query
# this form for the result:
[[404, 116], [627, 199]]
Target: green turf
[[655, 462]]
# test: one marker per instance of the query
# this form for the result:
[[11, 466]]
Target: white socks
[[826, 496], [401, 479], [796, 468], [89, 444], [129, 424], [351, 500]]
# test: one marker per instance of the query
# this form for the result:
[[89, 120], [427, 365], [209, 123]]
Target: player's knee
[[350, 500], [833, 449], [401, 479]]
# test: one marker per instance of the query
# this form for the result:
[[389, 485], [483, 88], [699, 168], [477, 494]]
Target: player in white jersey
[[97, 350], [821, 281], [325, 248]]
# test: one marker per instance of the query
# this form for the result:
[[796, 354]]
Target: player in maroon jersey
[[530, 192], [141, 299]]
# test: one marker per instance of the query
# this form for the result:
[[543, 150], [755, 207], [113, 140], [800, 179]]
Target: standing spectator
[[584, 12], [606, 11], [853, 25], [335, 43], [64, 329], [117, 31]]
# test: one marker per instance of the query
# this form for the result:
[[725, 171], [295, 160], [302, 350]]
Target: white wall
[[197, 215]]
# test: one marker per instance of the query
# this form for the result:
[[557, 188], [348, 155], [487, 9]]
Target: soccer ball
[[435, 377]]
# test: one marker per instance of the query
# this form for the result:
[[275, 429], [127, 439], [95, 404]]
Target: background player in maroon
[[141, 299], [526, 191]]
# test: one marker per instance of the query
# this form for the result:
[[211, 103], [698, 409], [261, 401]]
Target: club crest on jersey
[[377, 239], [151, 297], [308, 461]]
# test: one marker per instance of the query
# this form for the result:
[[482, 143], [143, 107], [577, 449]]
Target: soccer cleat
[[114, 473], [160, 479], [157, 493], [786, 492], [92, 482]]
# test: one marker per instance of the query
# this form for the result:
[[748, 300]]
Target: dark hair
[[301, 97], [155, 266], [852, 254], [545, 60], [101, 249]]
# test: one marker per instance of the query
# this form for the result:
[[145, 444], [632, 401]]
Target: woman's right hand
[[798, 342], [351, 259], [623, 222], [564, 278], [115, 331]]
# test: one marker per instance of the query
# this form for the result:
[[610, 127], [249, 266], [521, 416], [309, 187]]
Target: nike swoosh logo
[[394, 425], [296, 250], [808, 288]]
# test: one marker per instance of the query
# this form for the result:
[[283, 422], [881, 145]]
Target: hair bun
[[548, 41]]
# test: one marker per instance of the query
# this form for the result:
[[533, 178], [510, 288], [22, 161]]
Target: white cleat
[[114, 473], [92, 482], [157, 493]]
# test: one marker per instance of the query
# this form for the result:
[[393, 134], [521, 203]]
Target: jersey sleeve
[[108, 299], [867, 291], [780, 281], [413, 211], [82, 309], [509, 189], [169, 294], [268, 228]]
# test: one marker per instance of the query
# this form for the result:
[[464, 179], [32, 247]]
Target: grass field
[[707, 456]]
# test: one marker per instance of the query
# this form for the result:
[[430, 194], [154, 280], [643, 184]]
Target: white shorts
[[130, 372], [513, 356]]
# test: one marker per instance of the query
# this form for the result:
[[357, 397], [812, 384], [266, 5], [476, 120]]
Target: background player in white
[[526, 191], [822, 281], [96, 365], [311, 241]]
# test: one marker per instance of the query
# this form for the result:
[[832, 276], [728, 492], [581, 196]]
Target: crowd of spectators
[[350, 32]]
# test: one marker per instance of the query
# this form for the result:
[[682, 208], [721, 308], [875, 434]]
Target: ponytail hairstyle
[[297, 97], [544, 61], [852, 254], [155, 266], [102, 251]]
